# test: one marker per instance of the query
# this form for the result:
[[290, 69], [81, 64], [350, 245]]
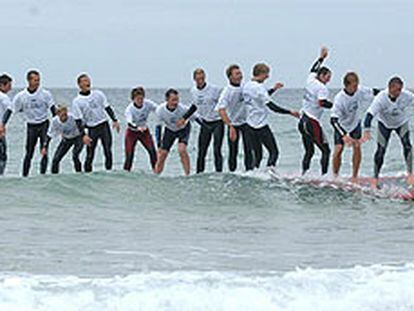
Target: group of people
[[241, 107]]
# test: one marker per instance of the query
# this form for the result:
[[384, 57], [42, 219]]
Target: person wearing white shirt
[[232, 110], [136, 115], [71, 131], [391, 107], [259, 105], [6, 109], [314, 102], [91, 107], [205, 96], [346, 121], [175, 117], [35, 103]]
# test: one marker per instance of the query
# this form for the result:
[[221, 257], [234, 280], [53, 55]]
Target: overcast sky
[[122, 43]]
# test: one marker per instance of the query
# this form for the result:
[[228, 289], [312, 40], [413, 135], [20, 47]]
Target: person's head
[[33, 79], [395, 86], [351, 82], [62, 113], [84, 82], [324, 75], [172, 98], [138, 95], [261, 72], [234, 74], [5, 83], [199, 76]]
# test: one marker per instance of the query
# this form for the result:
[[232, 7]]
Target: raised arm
[[323, 55]]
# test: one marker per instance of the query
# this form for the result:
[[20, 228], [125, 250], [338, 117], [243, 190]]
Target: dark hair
[[137, 91], [260, 68], [4, 79], [32, 72], [323, 71], [81, 76], [349, 77], [198, 71], [396, 80], [230, 69], [170, 92]]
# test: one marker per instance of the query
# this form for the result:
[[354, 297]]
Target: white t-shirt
[[169, 118], [346, 108], [90, 108], [314, 92], [35, 106], [5, 104], [231, 99], [206, 101], [256, 97], [68, 129], [138, 116], [392, 114]]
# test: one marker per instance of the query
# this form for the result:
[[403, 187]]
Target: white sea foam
[[360, 288]]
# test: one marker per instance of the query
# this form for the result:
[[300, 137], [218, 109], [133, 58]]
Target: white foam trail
[[360, 288]]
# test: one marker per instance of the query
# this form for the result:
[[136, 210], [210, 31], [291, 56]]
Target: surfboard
[[391, 187]]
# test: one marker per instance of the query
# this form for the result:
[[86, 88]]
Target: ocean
[[229, 241]]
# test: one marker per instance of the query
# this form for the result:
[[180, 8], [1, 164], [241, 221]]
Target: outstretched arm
[[323, 55], [278, 109]]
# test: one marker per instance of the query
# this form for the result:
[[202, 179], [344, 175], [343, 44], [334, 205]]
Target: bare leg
[[162, 156], [356, 161], [337, 159], [185, 159]]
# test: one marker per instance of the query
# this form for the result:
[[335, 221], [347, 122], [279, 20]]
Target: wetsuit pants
[[312, 134], [215, 130], [3, 155], [384, 134], [263, 137], [145, 138], [35, 133], [234, 149], [103, 133], [63, 148]]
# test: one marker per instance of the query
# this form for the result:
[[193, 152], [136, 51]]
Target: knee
[[182, 149]]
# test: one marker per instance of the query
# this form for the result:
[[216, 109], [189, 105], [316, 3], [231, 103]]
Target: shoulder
[[99, 93], [150, 103]]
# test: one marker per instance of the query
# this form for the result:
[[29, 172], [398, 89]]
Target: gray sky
[[159, 42]]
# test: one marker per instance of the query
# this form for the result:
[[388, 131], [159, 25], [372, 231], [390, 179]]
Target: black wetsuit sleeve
[[368, 120], [6, 116], [47, 141], [337, 126], [271, 91], [201, 122], [190, 112], [375, 91], [158, 134], [326, 104], [276, 108], [80, 126], [111, 113], [315, 67], [53, 110]]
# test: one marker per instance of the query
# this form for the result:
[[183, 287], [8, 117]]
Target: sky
[[158, 43]]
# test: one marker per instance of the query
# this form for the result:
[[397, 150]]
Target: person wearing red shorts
[[136, 115]]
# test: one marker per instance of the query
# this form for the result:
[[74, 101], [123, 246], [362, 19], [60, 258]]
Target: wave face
[[360, 288]]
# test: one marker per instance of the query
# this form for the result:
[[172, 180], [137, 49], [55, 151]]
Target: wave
[[376, 288]]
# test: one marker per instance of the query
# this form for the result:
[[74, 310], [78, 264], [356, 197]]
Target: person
[[390, 105], [175, 116], [259, 104], [205, 96], [136, 115], [6, 110], [35, 102], [71, 130], [232, 110], [346, 121], [314, 102], [91, 107]]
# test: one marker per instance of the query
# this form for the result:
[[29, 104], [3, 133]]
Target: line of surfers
[[242, 107]]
